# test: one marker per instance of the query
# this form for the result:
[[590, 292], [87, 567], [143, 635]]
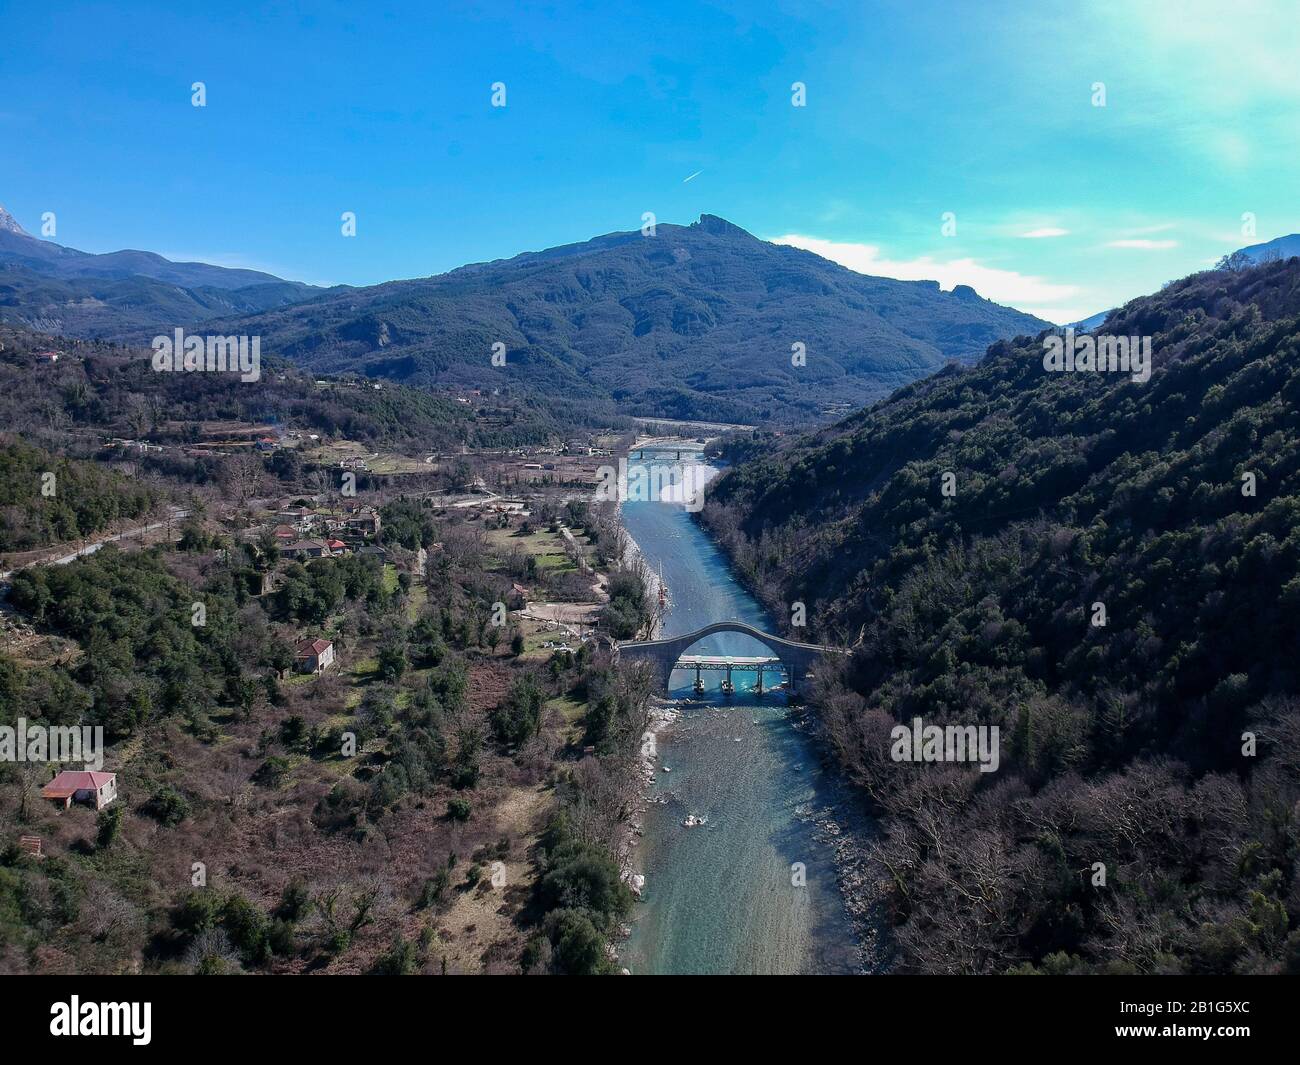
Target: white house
[[314, 656], [94, 789]]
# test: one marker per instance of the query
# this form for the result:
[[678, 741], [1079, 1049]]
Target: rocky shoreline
[[663, 713], [845, 829]]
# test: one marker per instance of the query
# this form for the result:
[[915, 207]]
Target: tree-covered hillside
[[131, 307], [105, 390], [693, 322], [46, 499], [1115, 583]]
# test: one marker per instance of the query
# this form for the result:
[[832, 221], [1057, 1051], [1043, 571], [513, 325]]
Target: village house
[[308, 549], [93, 789], [365, 521], [285, 533], [314, 656], [299, 517]]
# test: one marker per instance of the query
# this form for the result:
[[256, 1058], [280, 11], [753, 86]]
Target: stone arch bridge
[[664, 655]]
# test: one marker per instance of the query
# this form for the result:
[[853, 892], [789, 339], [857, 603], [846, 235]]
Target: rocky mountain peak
[[9, 224]]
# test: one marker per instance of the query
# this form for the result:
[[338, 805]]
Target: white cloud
[[1143, 243], [1033, 294], [238, 261], [1045, 231]]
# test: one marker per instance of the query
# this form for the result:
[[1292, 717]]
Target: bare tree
[[243, 477]]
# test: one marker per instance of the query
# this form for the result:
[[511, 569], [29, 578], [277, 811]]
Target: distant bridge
[[664, 656], [662, 445]]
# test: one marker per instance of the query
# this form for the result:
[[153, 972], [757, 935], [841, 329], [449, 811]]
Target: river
[[722, 897]]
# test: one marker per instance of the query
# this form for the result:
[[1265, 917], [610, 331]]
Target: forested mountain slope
[[125, 308], [692, 322], [98, 390], [1164, 743]]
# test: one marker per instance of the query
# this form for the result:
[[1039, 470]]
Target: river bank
[[633, 558]]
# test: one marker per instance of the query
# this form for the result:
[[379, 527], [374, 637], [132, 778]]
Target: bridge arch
[[662, 655]]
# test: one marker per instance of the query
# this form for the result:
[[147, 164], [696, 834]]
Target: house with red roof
[[314, 656], [93, 789]]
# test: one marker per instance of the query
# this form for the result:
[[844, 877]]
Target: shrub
[[398, 960], [295, 902], [271, 772], [247, 927], [434, 890], [577, 948], [167, 805], [108, 825], [198, 912]]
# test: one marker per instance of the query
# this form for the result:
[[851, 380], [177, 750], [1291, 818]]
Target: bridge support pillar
[[758, 688], [699, 681]]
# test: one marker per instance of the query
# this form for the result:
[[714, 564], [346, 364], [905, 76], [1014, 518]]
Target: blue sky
[[981, 109]]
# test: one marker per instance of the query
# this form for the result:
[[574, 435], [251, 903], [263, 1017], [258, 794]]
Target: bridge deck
[[723, 661]]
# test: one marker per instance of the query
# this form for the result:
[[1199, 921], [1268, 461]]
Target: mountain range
[[122, 295], [1272, 250], [703, 321], [699, 321], [20, 248]]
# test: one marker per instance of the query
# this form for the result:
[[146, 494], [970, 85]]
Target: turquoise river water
[[720, 897]]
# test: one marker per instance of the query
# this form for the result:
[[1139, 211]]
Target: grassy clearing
[[382, 462], [365, 667], [571, 709], [390, 578], [418, 597]]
